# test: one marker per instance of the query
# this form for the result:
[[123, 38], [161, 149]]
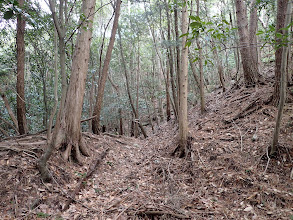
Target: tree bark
[[283, 83], [201, 78], [21, 118], [178, 68], [249, 65], [252, 31], [136, 131], [60, 26], [183, 91], [104, 75], [281, 14], [168, 105], [171, 63], [67, 131], [54, 110]]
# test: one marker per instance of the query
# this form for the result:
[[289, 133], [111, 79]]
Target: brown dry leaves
[[223, 177]]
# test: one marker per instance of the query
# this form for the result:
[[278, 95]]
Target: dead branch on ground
[[80, 184]]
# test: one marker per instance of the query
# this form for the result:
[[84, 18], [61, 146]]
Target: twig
[[241, 136], [70, 197], [112, 135], [29, 213], [81, 23], [201, 159], [88, 119], [123, 211], [16, 206], [30, 155], [267, 162], [162, 212]]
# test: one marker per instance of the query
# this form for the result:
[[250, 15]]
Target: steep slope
[[226, 174]]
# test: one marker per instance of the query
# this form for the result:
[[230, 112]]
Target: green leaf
[[42, 215], [192, 17], [226, 22], [186, 34], [279, 35], [188, 44], [259, 32], [8, 14]]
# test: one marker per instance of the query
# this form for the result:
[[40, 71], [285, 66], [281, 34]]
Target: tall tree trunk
[[283, 83], [21, 118], [104, 75], [60, 26], [249, 65], [201, 78], [281, 14], [171, 63], [183, 91], [67, 131], [55, 88], [168, 106], [136, 132], [200, 60], [178, 68], [128, 88], [255, 55], [252, 30]]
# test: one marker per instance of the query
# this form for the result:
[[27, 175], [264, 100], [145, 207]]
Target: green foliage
[[219, 29], [276, 39], [110, 163], [42, 215]]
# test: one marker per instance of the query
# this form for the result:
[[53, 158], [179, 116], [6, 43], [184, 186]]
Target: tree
[[201, 77], [249, 65], [21, 118], [252, 31], [183, 85], [60, 25], [281, 14], [104, 75], [283, 82], [67, 131], [171, 63]]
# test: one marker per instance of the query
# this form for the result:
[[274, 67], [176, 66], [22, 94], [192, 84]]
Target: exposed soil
[[226, 174]]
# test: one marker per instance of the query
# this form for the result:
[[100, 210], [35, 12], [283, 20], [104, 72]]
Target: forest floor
[[226, 175]]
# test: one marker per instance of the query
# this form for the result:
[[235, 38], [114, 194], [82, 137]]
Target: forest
[[146, 109]]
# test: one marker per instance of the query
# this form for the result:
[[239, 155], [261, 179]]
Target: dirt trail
[[225, 176]]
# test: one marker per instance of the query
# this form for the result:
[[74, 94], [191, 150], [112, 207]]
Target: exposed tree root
[[183, 149], [249, 109], [76, 150], [80, 184]]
